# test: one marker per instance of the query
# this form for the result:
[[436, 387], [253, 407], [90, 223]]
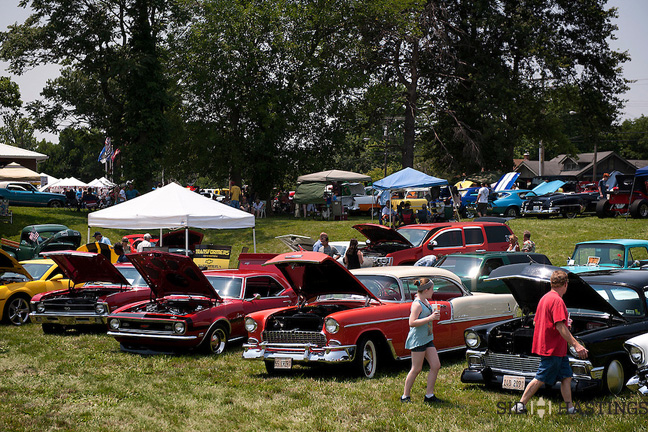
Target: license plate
[[283, 363], [512, 382]]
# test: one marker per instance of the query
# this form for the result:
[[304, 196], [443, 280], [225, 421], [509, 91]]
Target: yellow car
[[19, 282]]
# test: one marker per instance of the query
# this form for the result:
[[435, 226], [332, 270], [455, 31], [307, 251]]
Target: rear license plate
[[283, 363], [512, 382]]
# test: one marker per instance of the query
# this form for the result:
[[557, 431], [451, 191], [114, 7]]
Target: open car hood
[[69, 237], [548, 187], [381, 234], [529, 282], [171, 274], [312, 274], [297, 242], [82, 267], [9, 264], [177, 239]]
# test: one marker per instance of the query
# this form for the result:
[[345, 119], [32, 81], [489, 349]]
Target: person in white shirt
[[144, 243], [482, 200]]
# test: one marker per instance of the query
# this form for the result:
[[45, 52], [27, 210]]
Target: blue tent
[[642, 171], [408, 178]]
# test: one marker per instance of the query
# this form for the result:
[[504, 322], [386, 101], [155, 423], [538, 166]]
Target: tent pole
[[186, 240], [254, 238], [88, 234], [161, 238]]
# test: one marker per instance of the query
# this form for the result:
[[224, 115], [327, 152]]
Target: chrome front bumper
[[551, 211], [636, 384], [159, 336], [299, 353], [72, 319]]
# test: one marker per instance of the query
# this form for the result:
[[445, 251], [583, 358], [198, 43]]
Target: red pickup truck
[[406, 245]]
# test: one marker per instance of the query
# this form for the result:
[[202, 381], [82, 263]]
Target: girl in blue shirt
[[421, 340]]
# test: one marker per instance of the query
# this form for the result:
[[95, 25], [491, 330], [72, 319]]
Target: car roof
[[428, 226], [407, 271], [38, 261], [487, 254], [625, 242]]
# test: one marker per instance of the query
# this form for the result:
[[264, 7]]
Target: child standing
[[421, 340]]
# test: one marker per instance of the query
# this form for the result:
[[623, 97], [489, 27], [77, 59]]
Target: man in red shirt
[[550, 338]]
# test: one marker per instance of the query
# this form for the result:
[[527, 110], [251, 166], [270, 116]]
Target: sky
[[632, 37]]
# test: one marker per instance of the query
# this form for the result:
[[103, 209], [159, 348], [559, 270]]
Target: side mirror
[[432, 245], [570, 262], [57, 277]]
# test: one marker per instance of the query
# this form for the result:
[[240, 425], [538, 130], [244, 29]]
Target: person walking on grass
[[420, 341], [550, 339]]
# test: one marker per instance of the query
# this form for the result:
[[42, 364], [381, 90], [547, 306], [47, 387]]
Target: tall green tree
[[263, 85], [112, 80]]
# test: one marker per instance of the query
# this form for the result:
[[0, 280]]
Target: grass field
[[83, 382]]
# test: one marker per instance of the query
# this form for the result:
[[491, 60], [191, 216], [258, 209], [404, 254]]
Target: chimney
[[526, 156]]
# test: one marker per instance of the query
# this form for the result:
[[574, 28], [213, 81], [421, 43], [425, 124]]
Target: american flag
[[106, 152]]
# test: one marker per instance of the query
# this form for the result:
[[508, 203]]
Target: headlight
[[572, 351], [250, 325], [472, 339], [40, 308], [331, 325], [114, 324], [636, 354], [179, 327], [100, 308]]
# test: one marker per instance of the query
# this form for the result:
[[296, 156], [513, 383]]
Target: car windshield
[[11, 277], [625, 300], [598, 254], [133, 277], [414, 236], [36, 270], [228, 287], [383, 287], [462, 266]]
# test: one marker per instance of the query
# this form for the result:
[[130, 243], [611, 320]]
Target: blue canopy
[[642, 171], [408, 178]]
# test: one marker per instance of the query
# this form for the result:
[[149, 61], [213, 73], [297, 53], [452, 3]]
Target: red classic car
[[407, 244], [105, 288], [173, 240], [361, 318], [191, 309]]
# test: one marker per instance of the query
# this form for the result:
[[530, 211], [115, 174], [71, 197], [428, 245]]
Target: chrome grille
[[68, 307], [295, 337], [511, 362], [162, 327]]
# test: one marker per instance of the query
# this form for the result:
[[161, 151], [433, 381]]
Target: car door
[[448, 241], [270, 294]]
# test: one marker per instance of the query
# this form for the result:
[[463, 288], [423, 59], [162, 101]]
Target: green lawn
[[83, 382]]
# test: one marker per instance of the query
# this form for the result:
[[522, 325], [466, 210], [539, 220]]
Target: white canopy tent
[[172, 206], [102, 182], [68, 182]]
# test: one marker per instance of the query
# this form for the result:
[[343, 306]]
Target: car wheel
[[512, 212], [53, 329], [470, 213], [55, 204], [603, 209], [216, 340], [367, 357], [16, 310], [614, 377], [639, 209], [569, 214]]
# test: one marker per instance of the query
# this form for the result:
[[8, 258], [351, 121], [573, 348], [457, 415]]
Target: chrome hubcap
[[18, 311]]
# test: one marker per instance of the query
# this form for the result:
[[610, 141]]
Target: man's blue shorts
[[553, 369]]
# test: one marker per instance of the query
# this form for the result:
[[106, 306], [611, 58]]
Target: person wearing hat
[[602, 186], [144, 243], [101, 239]]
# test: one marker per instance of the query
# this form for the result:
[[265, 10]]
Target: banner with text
[[212, 256]]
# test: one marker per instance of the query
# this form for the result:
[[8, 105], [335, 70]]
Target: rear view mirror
[[432, 245]]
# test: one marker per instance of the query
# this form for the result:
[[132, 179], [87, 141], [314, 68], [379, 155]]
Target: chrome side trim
[[376, 322]]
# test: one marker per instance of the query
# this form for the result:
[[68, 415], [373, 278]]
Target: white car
[[637, 347], [298, 242]]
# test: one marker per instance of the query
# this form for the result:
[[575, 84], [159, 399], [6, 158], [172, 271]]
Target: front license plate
[[283, 363], [512, 382]]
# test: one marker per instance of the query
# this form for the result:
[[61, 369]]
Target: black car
[[606, 307], [568, 205]]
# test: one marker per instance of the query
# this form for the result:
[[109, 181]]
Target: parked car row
[[305, 308]]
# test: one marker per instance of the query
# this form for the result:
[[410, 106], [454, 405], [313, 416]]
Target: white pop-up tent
[[168, 207]]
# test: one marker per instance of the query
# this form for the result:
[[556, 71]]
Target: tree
[[112, 78], [70, 157], [263, 85], [18, 131], [9, 94]]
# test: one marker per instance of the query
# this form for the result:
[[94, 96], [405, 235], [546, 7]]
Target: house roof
[[585, 161]]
